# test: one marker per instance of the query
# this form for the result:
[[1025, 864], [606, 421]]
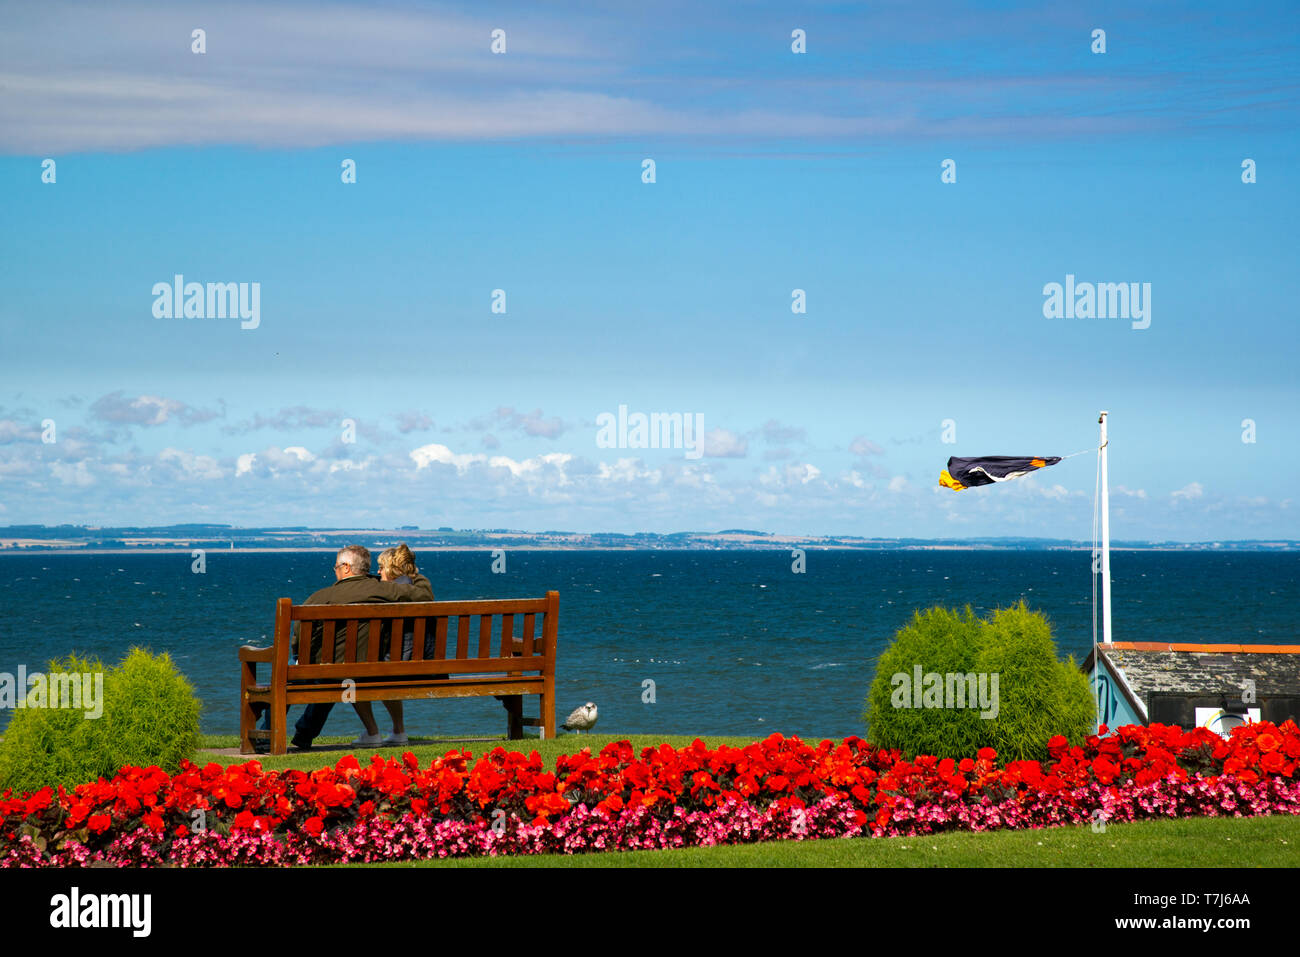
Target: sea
[[729, 642]]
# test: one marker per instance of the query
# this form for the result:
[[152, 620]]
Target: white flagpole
[[1105, 537]]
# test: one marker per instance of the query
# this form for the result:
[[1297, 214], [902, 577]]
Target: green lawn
[[1191, 842]]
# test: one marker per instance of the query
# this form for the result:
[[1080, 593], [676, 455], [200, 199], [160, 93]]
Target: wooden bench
[[466, 660]]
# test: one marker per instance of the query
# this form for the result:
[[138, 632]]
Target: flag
[[966, 473]]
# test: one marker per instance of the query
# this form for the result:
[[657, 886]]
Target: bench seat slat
[[427, 667], [327, 694]]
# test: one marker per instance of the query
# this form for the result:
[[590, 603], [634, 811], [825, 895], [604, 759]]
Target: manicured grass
[[1191, 842], [428, 748]]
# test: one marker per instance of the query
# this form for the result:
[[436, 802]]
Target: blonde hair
[[398, 562]]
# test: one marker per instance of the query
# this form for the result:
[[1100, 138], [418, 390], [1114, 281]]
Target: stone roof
[[1154, 667]]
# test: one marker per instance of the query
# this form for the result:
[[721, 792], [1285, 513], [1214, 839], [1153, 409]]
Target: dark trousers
[[312, 721], [308, 726]]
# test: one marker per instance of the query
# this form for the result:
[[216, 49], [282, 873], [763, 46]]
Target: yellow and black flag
[[966, 473]]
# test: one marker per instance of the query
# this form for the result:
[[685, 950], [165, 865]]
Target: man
[[353, 584]]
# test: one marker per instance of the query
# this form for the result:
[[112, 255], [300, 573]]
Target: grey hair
[[355, 557]]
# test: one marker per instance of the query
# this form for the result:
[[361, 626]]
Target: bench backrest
[[461, 637]]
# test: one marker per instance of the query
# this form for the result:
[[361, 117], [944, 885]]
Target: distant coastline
[[76, 539]]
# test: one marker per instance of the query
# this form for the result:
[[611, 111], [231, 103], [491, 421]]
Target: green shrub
[[1037, 696], [149, 716], [54, 745], [151, 713]]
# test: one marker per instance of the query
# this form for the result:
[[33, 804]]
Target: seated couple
[[398, 580]]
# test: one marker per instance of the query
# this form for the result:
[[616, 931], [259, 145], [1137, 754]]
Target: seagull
[[582, 719]]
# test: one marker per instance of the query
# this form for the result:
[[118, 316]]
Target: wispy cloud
[[117, 408], [777, 434], [863, 446], [121, 76], [292, 419], [532, 423], [412, 421]]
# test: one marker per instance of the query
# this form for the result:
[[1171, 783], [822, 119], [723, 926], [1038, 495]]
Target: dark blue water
[[734, 641]]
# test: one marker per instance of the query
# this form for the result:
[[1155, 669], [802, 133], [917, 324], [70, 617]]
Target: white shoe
[[367, 741], [396, 739]]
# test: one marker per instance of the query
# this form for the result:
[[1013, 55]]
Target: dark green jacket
[[361, 589]]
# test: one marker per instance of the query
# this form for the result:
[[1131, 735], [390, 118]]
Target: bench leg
[[279, 721], [279, 731], [514, 705], [548, 708], [247, 718]]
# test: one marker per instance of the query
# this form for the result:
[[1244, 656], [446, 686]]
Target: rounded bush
[[993, 682], [48, 746], [151, 712], [147, 715]]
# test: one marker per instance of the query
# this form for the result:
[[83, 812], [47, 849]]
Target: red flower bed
[[506, 802]]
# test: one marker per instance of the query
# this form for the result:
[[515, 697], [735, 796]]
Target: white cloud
[[147, 410], [141, 410], [273, 461], [628, 470], [13, 431], [1132, 493], [76, 474], [189, 465], [724, 444], [795, 474], [434, 453], [347, 465], [694, 476], [1188, 492], [528, 468]]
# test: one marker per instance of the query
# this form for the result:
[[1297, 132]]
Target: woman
[[395, 565]]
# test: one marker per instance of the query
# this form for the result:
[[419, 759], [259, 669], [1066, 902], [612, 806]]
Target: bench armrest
[[253, 653]]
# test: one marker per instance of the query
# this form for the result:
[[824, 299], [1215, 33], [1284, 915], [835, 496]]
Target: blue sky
[[775, 171]]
